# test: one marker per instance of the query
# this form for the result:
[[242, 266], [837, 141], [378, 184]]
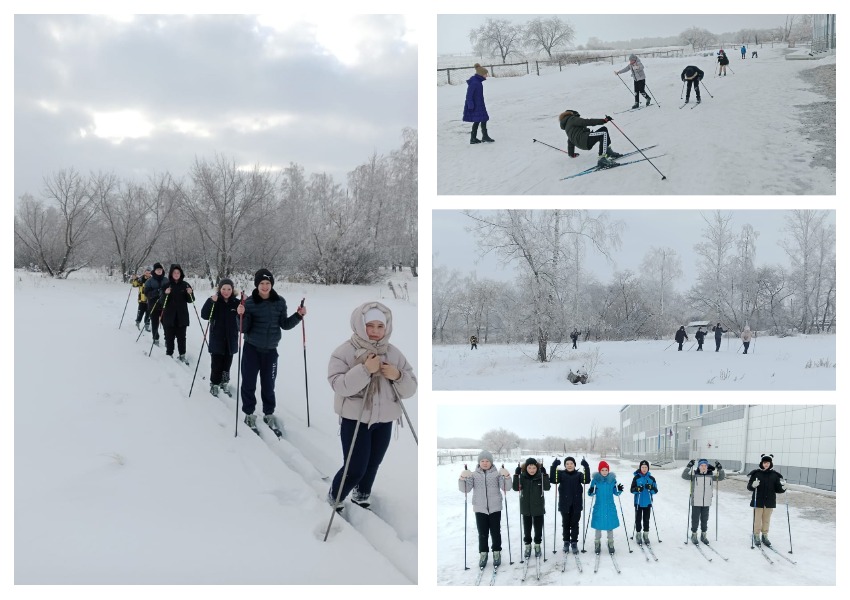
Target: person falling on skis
[[702, 491], [531, 481], [636, 67], [570, 482], [604, 517], [580, 136], [693, 76], [644, 487], [487, 486]]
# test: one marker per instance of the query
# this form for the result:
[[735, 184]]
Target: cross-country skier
[[580, 136], [487, 486], [722, 60], [574, 337], [175, 312], [368, 376], [570, 486], [746, 337], [700, 336], [474, 110], [644, 487], [703, 479], [474, 342], [693, 76], [604, 486], [743, 52], [636, 67], [531, 480], [143, 310], [718, 336], [764, 484], [220, 310], [681, 336], [153, 292]]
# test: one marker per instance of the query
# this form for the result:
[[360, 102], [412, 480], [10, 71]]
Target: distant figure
[[693, 76], [743, 52], [474, 341], [475, 111], [574, 337], [746, 337], [700, 336], [723, 60], [636, 67], [754, 54], [718, 336], [681, 336]]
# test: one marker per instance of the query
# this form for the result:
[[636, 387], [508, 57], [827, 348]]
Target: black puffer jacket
[[570, 487], [224, 326], [175, 305], [531, 500], [764, 495], [264, 319], [153, 289]]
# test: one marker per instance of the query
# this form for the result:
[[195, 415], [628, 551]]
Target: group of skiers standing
[[367, 374], [682, 335], [488, 485]]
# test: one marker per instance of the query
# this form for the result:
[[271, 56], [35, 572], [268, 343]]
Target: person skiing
[[700, 336], [578, 135], [718, 336], [681, 336], [263, 316], [142, 310], [531, 480], [153, 292], [604, 486], [702, 489], [220, 310], [743, 52], [474, 341], [175, 312], [474, 110], [644, 487], [570, 483], [574, 337], [487, 486], [722, 60], [368, 376], [764, 483], [636, 67], [746, 337], [693, 76]]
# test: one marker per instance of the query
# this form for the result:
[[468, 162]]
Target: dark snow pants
[[642, 515], [746, 347], [369, 450], [537, 522], [176, 331], [692, 82], [143, 312], [220, 368], [570, 519], [156, 313], [600, 136], [640, 86], [489, 528], [699, 515], [264, 363], [717, 341]]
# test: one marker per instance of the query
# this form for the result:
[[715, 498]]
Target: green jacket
[[577, 130], [531, 500]]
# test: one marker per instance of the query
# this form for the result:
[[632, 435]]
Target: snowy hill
[[745, 138], [121, 478]]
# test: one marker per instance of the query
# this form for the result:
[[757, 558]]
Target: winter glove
[[756, 482], [648, 486], [640, 488], [691, 464], [555, 463], [504, 472], [466, 474], [607, 119], [584, 464], [620, 487], [572, 154], [783, 483], [591, 491], [717, 465], [543, 469], [518, 471]]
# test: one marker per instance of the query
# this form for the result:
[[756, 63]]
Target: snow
[[746, 139], [772, 364], [811, 514], [120, 478]]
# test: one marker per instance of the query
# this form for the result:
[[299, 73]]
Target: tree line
[[555, 293], [502, 441], [220, 219]]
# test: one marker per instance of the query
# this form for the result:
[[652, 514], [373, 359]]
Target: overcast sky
[[453, 30], [525, 420], [456, 248], [148, 93]]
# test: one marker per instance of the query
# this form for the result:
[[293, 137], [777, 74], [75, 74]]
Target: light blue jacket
[[604, 516]]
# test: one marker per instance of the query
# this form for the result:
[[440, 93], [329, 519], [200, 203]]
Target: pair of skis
[[537, 559], [596, 168], [692, 107], [578, 562], [647, 551], [775, 551], [274, 429], [613, 560], [481, 574]]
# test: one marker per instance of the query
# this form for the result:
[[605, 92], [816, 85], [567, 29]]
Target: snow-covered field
[[811, 513], [121, 478], [771, 364], [746, 139]]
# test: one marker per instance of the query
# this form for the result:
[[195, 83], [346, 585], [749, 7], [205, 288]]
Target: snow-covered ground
[[771, 364], [121, 478], [811, 514], [746, 139]]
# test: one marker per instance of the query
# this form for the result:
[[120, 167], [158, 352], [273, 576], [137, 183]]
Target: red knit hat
[[604, 465]]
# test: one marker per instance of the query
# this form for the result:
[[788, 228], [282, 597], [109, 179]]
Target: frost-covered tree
[[808, 247], [548, 34], [697, 37], [660, 268], [499, 440], [497, 37]]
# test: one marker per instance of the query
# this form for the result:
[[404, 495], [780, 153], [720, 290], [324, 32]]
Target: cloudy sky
[[456, 248], [525, 420], [149, 93], [453, 30]]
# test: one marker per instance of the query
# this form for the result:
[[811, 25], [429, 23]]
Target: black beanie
[[530, 461], [225, 281], [643, 462], [570, 459], [158, 266], [262, 275]]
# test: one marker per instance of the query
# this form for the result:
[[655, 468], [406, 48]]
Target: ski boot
[[703, 538], [527, 552], [639, 538], [537, 550], [698, 100], [648, 100], [757, 540], [574, 547], [139, 325], [605, 163], [156, 342], [610, 546], [331, 498], [646, 538], [214, 390], [251, 421], [482, 560], [497, 558], [612, 155], [694, 539], [636, 105], [147, 326], [597, 546], [182, 358], [687, 100], [566, 547], [764, 540], [360, 498]]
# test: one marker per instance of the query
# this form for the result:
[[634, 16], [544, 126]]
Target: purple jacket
[[475, 110]]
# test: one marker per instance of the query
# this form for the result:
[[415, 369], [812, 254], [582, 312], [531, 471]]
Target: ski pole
[[691, 346], [665, 349], [201, 352], [653, 96], [195, 306], [706, 89], [552, 147], [717, 510], [755, 337], [634, 525], [508, 519], [406, 416], [125, 308], [555, 528], [465, 526], [652, 510], [631, 93], [753, 532], [239, 360], [164, 304], [610, 120], [584, 537], [521, 524], [730, 68], [788, 515], [366, 396], [625, 532], [690, 503], [304, 341]]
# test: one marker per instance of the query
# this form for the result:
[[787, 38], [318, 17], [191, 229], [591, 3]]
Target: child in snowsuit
[[574, 337], [718, 336], [175, 312], [474, 341], [368, 375], [474, 110], [693, 76], [681, 336], [604, 486], [743, 52], [722, 60], [220, 311], [644, 487], [531, 481], [700, 336], [487, 486], [570, 482], [764, 483], [143, 300], [153, 292], [702, 489], [636, 67], [578, 135], [746, 338]]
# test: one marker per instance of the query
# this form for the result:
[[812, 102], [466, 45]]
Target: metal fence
[[823, 33]]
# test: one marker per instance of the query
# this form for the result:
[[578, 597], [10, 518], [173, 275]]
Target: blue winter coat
[[644, 497], [475, 110], [604, 516]]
